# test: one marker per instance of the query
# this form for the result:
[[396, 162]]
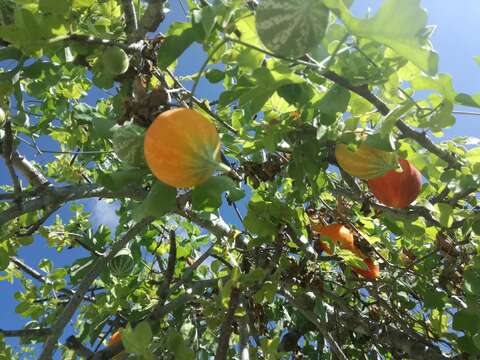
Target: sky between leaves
[[455, 39]]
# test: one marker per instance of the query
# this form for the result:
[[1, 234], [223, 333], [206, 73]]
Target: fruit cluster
[[392, 186], [343, 237]]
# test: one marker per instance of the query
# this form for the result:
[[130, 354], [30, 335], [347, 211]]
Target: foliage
[[233, 267]]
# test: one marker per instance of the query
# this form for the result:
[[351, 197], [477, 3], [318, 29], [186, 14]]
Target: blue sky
[[455, 39]]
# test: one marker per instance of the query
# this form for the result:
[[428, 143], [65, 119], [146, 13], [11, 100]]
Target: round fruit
[[397, 189], [122, 263], [115, 61], [114, 339], [182, 148], [371, 273], [365, 163], [339, 234]]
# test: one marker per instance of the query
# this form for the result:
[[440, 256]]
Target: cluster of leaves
[[279, 113]]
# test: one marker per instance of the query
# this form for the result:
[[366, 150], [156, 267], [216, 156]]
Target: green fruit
[[128, 143], [122, 264], [115, 61]]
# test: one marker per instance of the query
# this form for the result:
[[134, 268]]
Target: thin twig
[[162, 291]]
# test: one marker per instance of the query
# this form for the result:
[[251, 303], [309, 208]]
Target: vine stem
[[202, 69]]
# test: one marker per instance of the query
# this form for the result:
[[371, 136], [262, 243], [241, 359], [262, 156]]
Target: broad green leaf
[[397, 24], [4, 259], [472, 280], [118, 180], [335, 101], [137, 340], [55, 6], [291, 27], [176, 344], [83, 3], [468, 100], [465, 320], [441, 83], [473, 156], [206, 18], [208, 196], [160, 200], [179, 37], [442, 118], [446, 212], [388, 123], [262, 85]]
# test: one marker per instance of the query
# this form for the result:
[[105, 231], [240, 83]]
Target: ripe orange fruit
[[115, 338], [397, 189], [371, 273], [365, 163], [343, 237], [339, 234], [182, 148]]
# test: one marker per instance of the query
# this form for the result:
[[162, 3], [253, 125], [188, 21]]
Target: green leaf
[[55, 6], [208, 196], [446, 212], [160, 200], [206, 18], [335, 101], [443, 118], [83, 3], [468, 100], [127, 141], [176, 344], [465, 320], [441, 83], [397, 24], [291, 27], [472, 281], [473, 156], [118, 180], [137, 340], [262, 85], [4, 259], [179, 37], [388, 123]]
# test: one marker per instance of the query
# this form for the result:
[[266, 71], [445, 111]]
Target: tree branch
[[38, 332], [59, 195], [131, 21], [152, 18], [99, 264], [33, 175], [7, 151], [312, 317], [39, 277], [74, 344], [162, 291], [226, 327]]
